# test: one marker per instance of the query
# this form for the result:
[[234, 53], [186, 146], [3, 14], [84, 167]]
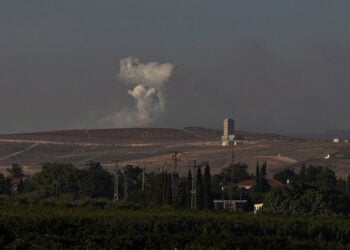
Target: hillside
[[135, 135], [152, 147], [108, 136]]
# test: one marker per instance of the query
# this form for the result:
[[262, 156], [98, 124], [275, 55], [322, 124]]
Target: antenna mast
[[116, 181]]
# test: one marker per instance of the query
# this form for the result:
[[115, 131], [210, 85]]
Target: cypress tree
[[180, 194], [206, 188], [257, 177], [168, 189], [263, 169], [347, 188], [199, 189], [159, 185], [302, 174], [264, 185]]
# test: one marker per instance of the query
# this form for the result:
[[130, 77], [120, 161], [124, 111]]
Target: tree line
[[312, 190]]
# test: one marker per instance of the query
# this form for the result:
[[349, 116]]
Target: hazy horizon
[[279, 67]]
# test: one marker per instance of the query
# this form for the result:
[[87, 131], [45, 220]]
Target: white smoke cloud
[[148, 104], [151, 74], [149, 81]]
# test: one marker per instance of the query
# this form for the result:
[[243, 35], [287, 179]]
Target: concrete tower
[[229, 130]]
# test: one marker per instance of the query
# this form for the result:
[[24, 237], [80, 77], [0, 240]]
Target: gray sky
[[277, 66]]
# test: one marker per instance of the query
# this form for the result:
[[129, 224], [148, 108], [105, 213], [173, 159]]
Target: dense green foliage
[[95, 182], [4, 184], [134, 185], [224, 184], [323, 177], [110, 228], [15, 171], [286, 175], [74, 215], [304, 199], [311, 191], [56, 179], [314, 191], [235, 173]]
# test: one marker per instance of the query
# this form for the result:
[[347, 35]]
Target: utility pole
[[126, 185], [143, 176], [193, 191], [175, 160], [233, 156], [164, 175], [116, 181]]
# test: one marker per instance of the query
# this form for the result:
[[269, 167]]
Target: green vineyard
[[54, 227]]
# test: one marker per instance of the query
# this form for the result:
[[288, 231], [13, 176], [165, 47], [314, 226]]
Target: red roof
[[16, 181], [274, 183], [246, 183], [250, 183]]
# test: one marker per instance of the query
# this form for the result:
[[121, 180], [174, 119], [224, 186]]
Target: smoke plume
[[149, 83]]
